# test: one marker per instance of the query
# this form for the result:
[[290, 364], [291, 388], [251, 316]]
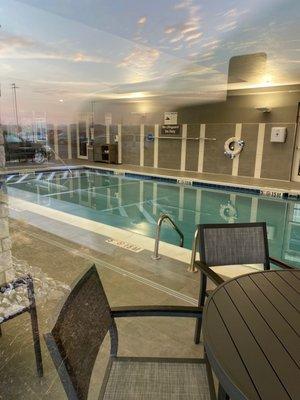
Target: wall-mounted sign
[[170, 130], [170, 118]]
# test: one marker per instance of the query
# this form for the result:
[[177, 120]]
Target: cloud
[[177, 38], [184, 4], [229, 26], [233, 13], [213, 44], [190, 29], [193, 37], [169, 30], [142, 20], [19, 47], [140, 58]]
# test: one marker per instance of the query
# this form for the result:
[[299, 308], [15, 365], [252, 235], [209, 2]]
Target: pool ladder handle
[[192, 267], [60, 159], [161, 219]]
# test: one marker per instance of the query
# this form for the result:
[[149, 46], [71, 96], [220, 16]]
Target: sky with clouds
[[62, 54]]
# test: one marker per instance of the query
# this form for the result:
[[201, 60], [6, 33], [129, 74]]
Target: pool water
[[136, 205]]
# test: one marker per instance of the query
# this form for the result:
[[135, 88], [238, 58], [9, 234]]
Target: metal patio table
[[251, 332]]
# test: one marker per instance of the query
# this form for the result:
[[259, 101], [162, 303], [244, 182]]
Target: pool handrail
[[192, 267], [161, 219]]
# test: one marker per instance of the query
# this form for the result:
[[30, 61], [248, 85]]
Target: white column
[[154, 208], [55, 138], [141, 195], [57, 181], [77, 139], [87, 130], [198, 206], [259, 150], [69, 141], [156, 134], [201, 148], [181, 203], [142, 139], [183, 147], [235, 161], [120, 191], [254, 206], [107, 133], [119, 143], [71, 183], [232, 199]]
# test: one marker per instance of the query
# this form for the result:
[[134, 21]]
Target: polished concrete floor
[[129, 279]]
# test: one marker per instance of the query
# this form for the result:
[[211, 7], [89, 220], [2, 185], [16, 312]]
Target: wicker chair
[[236, 245], [31, 308], [82, 324]]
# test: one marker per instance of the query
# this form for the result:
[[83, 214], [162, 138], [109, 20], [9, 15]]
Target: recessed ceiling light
[[61, 100]]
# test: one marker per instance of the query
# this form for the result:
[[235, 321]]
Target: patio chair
[[78, 333], [31, 309], [238, 248]]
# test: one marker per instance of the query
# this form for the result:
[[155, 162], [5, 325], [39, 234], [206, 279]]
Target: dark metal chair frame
[[68, 378], [207, 272], [31, 309]]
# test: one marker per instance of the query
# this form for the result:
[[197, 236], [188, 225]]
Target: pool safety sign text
[[170, 130], [125, 245]]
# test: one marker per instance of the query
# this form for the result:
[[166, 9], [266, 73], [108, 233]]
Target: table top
[[251, 331]]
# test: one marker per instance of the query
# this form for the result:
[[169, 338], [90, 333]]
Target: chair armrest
[[14, 284], [280, 263], [204, 268], [157, 311]]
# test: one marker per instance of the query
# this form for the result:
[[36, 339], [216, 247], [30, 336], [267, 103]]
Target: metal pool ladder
[[161, 219], [192, 267]]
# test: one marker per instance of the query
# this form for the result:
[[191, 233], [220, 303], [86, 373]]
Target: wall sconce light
[[263, 109]]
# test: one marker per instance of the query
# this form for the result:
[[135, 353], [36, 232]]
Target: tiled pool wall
[[273, 193]]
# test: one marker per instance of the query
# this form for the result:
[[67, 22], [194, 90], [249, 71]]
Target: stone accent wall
[[5, 242]]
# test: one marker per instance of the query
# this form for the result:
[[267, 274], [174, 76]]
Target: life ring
[[228, 212], [233, 147]]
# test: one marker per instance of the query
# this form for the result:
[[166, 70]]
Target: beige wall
[[240, 106], [259, 158]]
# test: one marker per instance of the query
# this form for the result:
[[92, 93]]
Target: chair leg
[[222, 395], [35, 329], [200, 303], [36, 341], [0, 331]]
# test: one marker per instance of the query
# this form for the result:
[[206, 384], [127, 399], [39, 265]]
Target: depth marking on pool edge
[[125, 245]]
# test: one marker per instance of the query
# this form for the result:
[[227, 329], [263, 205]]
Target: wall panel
[[247, 156], [214, 159], [192, 147], [131, 144], [278, 157]]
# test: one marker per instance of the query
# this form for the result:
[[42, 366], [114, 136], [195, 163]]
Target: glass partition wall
[[114, 113]]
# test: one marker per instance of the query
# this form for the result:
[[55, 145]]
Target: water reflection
[[136, 205]]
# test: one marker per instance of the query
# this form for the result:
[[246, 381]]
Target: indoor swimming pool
[[136, 204]]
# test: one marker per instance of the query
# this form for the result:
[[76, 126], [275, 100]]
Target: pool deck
[[58, 254], [217, 179]]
